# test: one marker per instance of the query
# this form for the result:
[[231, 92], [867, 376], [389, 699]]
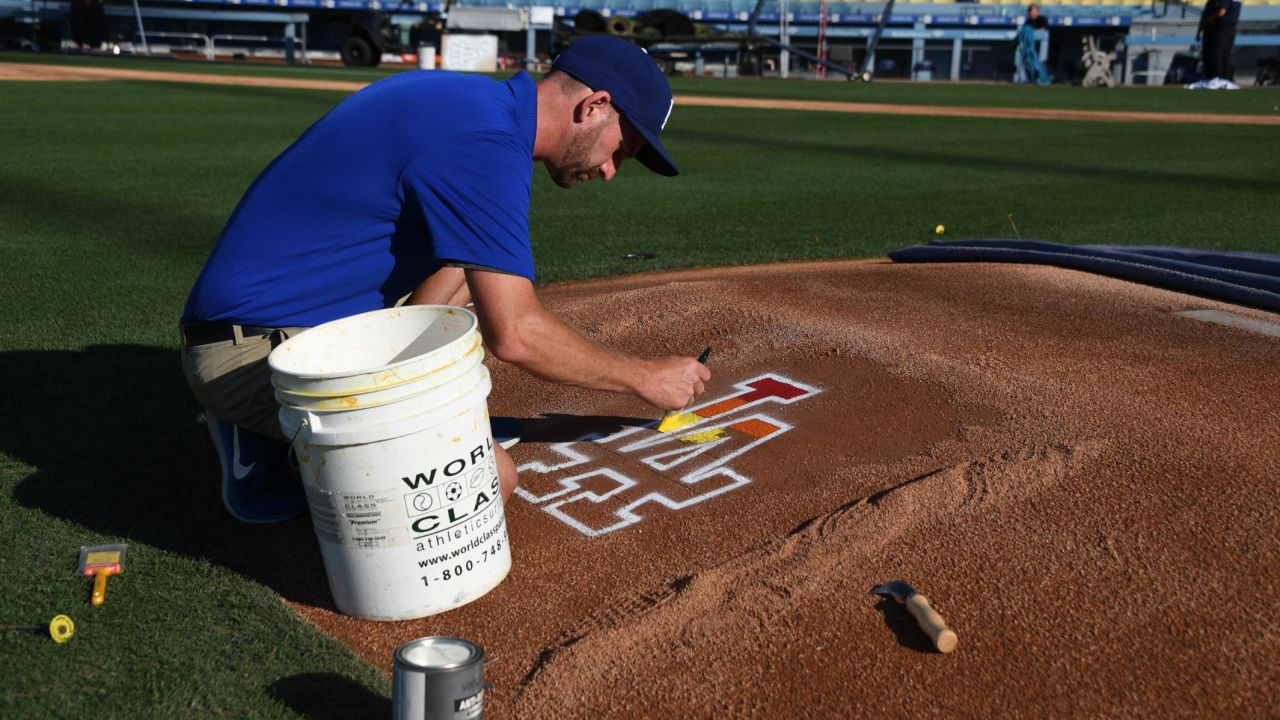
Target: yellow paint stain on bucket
[[704, 436]]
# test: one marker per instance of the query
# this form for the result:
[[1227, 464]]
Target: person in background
[[1218, 33], [1030, 68], [88, 24]]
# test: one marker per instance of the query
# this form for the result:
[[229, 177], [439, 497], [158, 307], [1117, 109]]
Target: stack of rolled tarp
[[652, 23]]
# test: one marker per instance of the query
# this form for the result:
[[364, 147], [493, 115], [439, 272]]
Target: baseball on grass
[[939, 230]]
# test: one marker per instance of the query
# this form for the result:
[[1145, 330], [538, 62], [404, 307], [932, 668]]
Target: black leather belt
[[205, 333]]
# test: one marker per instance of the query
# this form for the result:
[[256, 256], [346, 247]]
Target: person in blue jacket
[[417, 189], [1030, 68]]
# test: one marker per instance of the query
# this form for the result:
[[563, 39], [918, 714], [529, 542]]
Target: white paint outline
[[692, 450], [716, 468], [627, 512]]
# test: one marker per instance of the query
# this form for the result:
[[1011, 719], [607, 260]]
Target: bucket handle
[[290, 457]]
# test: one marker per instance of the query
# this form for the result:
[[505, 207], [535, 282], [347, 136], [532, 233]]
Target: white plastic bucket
[[374, 350], [389, 414]]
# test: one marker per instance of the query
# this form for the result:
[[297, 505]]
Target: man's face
[[596, 148]]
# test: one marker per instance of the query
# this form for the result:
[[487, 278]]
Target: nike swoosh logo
[[240, 471]]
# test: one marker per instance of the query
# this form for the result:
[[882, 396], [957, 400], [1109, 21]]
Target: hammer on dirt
[[918, 605]]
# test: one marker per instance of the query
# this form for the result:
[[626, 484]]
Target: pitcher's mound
[[1081, 479]]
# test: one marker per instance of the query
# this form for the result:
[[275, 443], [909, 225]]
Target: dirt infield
[[980, 112], [24, 71], [1082, 479]]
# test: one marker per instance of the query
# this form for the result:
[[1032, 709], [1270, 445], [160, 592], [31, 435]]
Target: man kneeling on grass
[[417, 189]]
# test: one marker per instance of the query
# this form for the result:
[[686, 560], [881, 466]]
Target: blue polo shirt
[[414, 171]]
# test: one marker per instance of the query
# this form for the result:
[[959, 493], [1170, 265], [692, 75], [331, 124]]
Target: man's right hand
[[518, 330], [673, 382]]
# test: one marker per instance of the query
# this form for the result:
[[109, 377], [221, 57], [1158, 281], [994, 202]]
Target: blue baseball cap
[[634, 82]]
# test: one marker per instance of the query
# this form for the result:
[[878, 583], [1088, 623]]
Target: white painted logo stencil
[[580, 485]]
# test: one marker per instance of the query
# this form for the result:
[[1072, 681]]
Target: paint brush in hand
[[671, 421]]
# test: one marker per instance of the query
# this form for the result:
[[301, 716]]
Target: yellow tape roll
[[61, 628]]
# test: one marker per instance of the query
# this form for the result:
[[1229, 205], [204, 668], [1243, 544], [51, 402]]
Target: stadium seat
[[802, 7]]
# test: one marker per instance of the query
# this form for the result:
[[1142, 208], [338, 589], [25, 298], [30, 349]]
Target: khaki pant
[[232, 380]]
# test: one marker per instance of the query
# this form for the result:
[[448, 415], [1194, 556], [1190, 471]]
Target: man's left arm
[[447, 286]]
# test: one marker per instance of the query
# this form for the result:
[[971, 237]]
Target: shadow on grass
[[329, 696], [113, 433]]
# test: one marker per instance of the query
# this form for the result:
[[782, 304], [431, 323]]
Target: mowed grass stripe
[[113, 193], [67, 73], [111, 196], [1052, 114], [1249, 101]]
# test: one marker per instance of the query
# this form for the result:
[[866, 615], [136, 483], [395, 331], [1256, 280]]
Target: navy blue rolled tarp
[[1245, 278]]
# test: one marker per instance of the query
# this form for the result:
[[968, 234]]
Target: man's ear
[[593, 107]]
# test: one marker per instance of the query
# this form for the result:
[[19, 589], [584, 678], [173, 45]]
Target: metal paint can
[[426, 57], [438, 678]]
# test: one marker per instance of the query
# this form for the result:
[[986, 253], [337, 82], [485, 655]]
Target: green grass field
[[111, 195], [1153, 99]]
